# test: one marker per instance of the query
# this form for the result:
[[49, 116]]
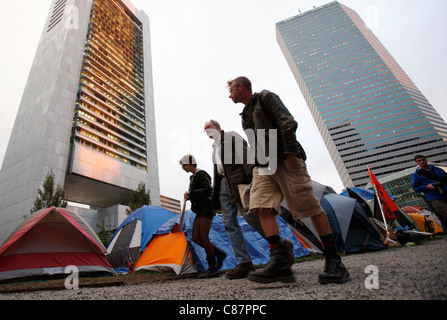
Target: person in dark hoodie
[[199, 194]]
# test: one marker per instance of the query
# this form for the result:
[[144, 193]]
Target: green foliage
[[49, 195], [103, 234], [139, 198]]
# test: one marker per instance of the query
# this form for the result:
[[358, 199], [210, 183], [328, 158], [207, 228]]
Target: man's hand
[[431, 187]]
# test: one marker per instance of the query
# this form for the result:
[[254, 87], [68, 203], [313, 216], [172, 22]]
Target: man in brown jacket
[[288, 180], [230, 170]]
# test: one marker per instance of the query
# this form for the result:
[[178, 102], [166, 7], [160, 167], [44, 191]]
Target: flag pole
[[381, 208], [383, 215]]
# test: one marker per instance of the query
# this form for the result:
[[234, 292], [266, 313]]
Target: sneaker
[[277, 269], [241, 271], [334, 272]]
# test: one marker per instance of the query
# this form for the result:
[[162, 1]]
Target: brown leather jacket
[[266, 111], [233, 154]]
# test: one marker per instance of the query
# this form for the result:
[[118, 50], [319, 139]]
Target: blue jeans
[[231, 224]]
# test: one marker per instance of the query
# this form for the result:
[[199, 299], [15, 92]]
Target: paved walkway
[[404, 273]]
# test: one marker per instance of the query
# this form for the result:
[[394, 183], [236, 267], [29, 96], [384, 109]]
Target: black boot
[[277, 269], [212, 271], [334, 271], [288, 246], [220, 256]]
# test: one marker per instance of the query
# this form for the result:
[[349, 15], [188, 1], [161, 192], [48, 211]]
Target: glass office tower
[[367, 109], [110, 107], [87, 111]]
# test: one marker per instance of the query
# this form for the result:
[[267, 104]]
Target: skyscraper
[[87, 111], [366, 108]]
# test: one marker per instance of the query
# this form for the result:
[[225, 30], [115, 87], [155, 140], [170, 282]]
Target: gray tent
[[352, 229]]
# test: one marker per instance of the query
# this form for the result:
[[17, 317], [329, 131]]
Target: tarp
[[257, 245], [134, 234], [47, 242]]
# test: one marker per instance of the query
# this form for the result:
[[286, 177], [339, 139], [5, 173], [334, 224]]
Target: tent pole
[[366, 241], [182, 216]]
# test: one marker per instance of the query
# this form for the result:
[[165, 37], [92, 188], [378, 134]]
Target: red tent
[[47, 242]]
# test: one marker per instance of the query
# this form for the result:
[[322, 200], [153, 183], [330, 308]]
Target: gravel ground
[[404, 273]]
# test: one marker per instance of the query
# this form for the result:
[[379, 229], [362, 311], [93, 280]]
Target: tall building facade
[[87, 111], [367, 109]]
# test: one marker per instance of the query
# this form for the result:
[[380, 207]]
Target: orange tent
[[165, 252], [423, 217], [422, 222], [170, 249]]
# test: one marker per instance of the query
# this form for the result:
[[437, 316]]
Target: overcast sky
[[197, 45]]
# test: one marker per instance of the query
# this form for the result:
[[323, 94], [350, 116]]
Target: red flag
[[388, 205]]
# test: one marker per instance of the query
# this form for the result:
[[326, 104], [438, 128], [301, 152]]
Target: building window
[[56, 15]]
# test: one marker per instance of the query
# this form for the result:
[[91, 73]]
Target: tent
[[369, 203], [175, 250], [367, 194], [134, 234], [167, 252], [424, 219], [47, 242], [351, 227]]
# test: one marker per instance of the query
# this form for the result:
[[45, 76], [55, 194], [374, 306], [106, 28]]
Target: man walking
[[231, 169], [290, 181]]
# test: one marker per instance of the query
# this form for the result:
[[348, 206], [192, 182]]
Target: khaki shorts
[[295, 186]]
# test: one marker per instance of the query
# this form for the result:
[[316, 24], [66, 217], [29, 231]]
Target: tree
[[48, 195], [139, 198], [103, 234]]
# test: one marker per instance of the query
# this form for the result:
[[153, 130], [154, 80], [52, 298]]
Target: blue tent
[[339, 214], [257, 245], [367, 194], [356, 230], [133, 235], [352, 229]]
